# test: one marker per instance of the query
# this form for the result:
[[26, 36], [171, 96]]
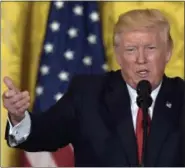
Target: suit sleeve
[[19, 133], [53, 128]]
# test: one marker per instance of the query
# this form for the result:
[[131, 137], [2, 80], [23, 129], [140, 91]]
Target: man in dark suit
[[99, 115]]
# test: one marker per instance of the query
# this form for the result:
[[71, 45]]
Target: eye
[[151, 47], [130, 49]]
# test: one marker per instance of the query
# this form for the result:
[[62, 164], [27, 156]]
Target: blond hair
[[143, 19]]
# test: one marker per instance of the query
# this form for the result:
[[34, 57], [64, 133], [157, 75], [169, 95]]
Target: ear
[[168, 55]]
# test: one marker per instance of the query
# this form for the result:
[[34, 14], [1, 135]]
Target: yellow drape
[[22, 33]]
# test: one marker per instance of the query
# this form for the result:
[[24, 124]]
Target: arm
[[18, 133], [51, 129]]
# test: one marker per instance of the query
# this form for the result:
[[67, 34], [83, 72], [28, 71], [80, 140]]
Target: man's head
[[143, 45]]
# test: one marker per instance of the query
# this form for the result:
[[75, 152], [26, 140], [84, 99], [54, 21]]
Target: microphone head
[[144, 86], [144, 90]]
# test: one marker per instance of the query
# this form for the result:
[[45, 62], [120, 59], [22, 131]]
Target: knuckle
[[24, 93], [17, 97], [13, 93], [10, 93], [18, 105], [25, 101], [20, 110], [28, 98], [20, 95], [27, 93], [27, 105], [13, 99]]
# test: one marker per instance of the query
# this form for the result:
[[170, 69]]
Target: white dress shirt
[[134, 107], [21, 131]]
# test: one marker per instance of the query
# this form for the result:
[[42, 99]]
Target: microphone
[[144, 101], [144, 90]]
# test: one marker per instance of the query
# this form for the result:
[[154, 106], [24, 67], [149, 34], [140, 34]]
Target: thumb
[[9, 83]]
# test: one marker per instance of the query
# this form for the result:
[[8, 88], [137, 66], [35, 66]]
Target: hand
[[15, 101]]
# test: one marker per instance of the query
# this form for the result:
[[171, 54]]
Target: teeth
[[142, 72]]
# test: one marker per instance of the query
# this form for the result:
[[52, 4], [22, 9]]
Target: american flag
[[73, 45]]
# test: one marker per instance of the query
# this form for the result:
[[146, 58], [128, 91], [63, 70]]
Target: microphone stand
[[144, 101], [145, 131]]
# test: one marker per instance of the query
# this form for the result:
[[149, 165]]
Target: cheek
[[126, 61], [128, 67], [127, 64], [156, 65]]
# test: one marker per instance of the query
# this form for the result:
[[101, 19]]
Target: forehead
[[140, 37]]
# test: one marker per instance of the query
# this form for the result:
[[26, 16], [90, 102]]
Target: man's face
[[142, 55]]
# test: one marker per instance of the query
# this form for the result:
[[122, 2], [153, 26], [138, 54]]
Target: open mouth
[[142, 73]]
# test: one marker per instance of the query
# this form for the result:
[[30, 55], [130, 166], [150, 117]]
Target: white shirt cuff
[[19, 132]]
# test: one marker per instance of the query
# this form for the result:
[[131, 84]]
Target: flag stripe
[[40, 159]]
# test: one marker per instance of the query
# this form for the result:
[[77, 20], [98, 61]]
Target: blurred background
[[43, 44]]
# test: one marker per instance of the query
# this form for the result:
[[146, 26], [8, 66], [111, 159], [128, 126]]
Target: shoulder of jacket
[[177, 82], [177, 86], [87, 81]]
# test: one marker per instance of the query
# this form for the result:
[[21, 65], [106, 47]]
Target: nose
[[141, 58]]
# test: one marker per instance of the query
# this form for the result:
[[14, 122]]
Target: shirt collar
[[133, 94]]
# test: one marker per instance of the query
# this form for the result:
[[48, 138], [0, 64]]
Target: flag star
[[105, 67], [72, 32], [39, 90], [69, 55], [94, 16], [44, 69], [59, 4], [91, 39], [48, 48], [78, 10], [55, 26], [63, 76], [58, 96], [87, 61]]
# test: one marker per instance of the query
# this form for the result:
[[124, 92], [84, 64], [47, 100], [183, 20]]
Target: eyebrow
[[152, 44], [130, 46]]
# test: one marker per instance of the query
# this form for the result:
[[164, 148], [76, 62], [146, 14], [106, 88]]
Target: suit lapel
[[160, 125], [118, 103]]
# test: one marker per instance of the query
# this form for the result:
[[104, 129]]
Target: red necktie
[[139, 132]]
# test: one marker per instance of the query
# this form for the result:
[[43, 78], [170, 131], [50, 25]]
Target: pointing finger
[[9, 83]]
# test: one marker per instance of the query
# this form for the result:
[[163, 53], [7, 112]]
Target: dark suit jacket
[[95, 116]]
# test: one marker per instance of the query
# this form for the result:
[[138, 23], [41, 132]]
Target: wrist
[[15, 119]]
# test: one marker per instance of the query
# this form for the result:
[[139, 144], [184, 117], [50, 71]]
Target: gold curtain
[[22, 34]]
